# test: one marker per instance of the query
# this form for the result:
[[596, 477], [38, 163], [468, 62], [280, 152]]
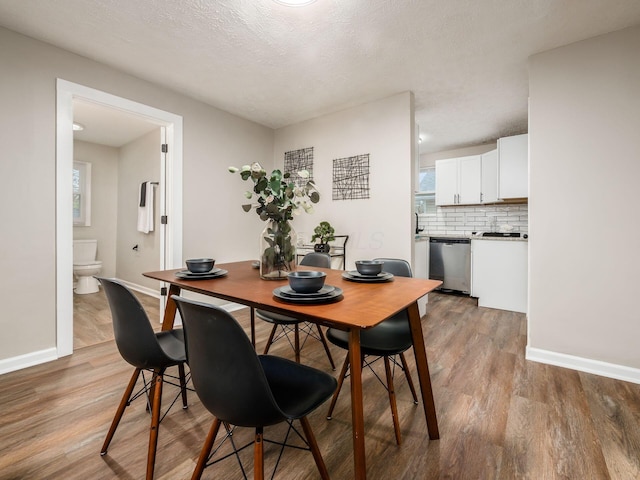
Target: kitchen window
[[426, 196]]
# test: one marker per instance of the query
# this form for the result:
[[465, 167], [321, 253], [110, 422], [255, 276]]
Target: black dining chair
[[287, 324], [386, 340], [244, 389], [147, 351]]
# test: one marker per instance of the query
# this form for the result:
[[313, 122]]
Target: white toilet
[[85, 265]]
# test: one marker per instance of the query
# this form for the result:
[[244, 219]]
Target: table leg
[[167, 324], [420, 353], [357, 414], [170, 308], [253, 327]]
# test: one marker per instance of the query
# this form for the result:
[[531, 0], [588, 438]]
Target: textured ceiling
[[465, 60]]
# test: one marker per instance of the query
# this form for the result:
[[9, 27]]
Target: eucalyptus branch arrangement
[[278, 196]]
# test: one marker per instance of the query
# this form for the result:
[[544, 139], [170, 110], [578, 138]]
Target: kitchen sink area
[[489, 266], [480, 251]]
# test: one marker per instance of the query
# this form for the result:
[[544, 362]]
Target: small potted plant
[[325, 233]]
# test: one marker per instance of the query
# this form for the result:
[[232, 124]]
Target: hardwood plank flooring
[[92, 317], [500, 416]]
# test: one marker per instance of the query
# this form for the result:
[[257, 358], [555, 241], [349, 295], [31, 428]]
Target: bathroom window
[[81, 194]]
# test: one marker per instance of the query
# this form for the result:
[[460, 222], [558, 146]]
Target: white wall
[[139, 161], [380, 226], [583, 208], [213, 139], [104, 191]]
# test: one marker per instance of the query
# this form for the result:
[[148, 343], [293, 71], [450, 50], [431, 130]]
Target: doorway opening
[[83, 104]]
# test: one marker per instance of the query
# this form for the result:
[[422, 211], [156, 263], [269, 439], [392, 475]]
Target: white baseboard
[[35, 358], [597, 367], [27, 360]]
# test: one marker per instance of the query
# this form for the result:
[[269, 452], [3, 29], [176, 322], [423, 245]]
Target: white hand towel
[[145, 214]]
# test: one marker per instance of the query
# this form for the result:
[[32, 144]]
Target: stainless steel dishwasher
[[450, 262]]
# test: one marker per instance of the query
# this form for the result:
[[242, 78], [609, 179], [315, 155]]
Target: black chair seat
[[147, 350], [172, 344], [391, 337], [386, 340], [276, 318], [241, 388], [297, 389]]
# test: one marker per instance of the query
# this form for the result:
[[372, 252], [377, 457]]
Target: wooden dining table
[[361, 306]]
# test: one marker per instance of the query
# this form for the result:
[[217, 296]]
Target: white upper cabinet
[[469, 176], [489, 177], [447, 182], [513, 159], [467, 180]]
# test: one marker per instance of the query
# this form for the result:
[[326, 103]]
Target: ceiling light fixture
[[294, 3], [77, 127]]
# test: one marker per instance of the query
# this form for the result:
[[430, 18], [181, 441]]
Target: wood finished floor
[[500, 416], [92, 317]]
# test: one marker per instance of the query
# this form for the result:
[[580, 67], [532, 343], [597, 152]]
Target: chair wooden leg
[[120, 411], [343, 374], [155, 424], [183, 385], [407, 374], [296, 344], [206, 450], [270, 341], [258, 455], [392, 400], [151, 392], [313, 445], [326, 347]]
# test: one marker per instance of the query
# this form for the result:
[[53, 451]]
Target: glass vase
[[277, 250]]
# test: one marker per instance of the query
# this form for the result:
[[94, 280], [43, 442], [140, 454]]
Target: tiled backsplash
[[464, 220]]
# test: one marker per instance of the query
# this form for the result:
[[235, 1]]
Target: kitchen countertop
[[426, 236]]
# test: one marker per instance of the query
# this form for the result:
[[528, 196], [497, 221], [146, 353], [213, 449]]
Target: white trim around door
[[172, 171]]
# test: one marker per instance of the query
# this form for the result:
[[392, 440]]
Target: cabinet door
[[499, 274], [469, 173], [446, 181], [490, 177], [420, 267], [513, 168]]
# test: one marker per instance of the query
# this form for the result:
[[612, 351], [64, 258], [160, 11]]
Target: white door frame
[[172, 172]]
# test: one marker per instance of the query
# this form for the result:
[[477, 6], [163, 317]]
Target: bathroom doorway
[[142, 129]]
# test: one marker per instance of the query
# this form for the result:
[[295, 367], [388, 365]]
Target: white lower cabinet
[[499, 274], [421, 267]]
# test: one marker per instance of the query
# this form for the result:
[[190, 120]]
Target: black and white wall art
[[351, 178], [297, 160]]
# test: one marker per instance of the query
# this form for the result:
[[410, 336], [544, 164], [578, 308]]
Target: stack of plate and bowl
[[368, 271], [307, 287], [201, 269]]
